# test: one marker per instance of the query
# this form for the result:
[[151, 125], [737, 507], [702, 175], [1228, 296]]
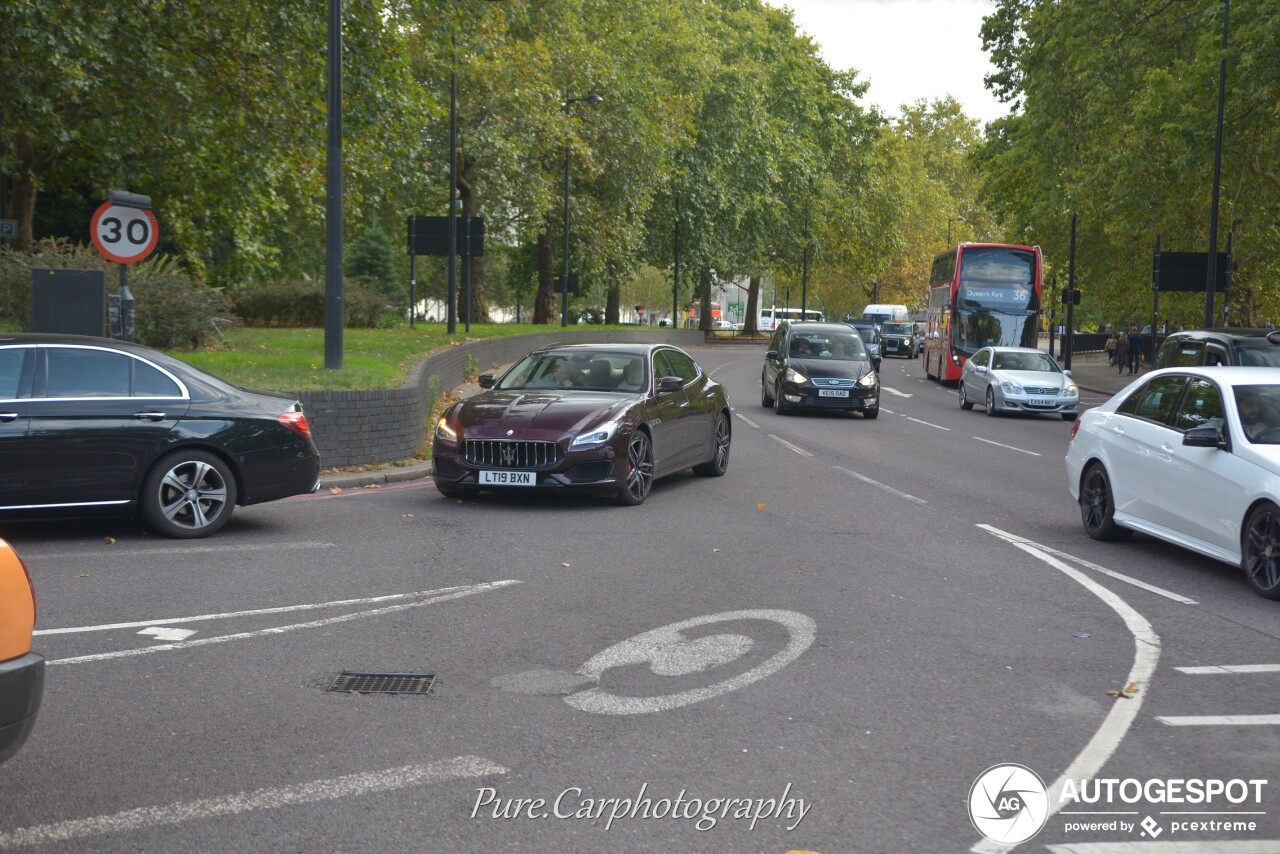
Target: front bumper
[[807, 397], [1014, 403], [21, 689]]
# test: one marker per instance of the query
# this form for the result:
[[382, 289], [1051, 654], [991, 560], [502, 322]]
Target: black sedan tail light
[[295, 421]]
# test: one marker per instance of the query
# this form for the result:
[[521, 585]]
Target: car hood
[[833, 368], [1035, 379], [541, 414]]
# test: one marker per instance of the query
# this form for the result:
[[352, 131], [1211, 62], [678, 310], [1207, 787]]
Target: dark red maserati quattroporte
[[604, 418]]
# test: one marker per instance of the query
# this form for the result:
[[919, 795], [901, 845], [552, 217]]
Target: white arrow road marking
[[1122, 715], [352, 785], [254, 613], [895, 391], [168, 634], [279, 630]]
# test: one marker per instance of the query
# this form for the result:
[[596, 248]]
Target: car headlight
[[868, 381], [1071, 391], [444, 431], [598, 436], [1011, 388], [794, 376]]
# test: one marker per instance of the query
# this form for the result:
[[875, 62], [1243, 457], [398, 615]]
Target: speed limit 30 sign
[[124, 234]]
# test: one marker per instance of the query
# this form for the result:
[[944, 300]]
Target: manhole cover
[[383, 683]]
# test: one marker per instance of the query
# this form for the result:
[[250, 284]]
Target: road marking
[[1219, 720], [1123, 713], [670, 653], [168, 634], [1199, 846], [1230, 668], [749, 422], [352, 785], [880, 485], [928, 424], [97, 553], [1009, 447], [801, 451], [1118, 576], [278, 630], [169, 621], [895, 391]]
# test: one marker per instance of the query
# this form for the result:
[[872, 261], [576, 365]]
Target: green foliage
[[370, 259], [172, 311], [301, 303]]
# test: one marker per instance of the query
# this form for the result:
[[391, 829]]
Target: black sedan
[[91, 425], [819, 366], [603, 418]]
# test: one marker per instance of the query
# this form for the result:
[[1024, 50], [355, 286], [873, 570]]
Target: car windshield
[[1024, 362], [828, 345], [577, 369], [897, 329], [1263, 357]]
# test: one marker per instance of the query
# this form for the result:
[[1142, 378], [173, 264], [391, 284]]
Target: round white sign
[[123, 234]]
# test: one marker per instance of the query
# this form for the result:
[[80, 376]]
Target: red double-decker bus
[[980, 295]]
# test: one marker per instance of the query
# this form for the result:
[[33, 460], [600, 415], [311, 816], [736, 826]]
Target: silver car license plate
[[507, 478], [833, 392]]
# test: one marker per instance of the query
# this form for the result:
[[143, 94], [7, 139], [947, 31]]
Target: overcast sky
[[907, 49]]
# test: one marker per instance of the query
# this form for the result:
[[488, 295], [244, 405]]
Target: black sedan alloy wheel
[[1097, 507], [1261, 552], [639, 470], [189, 494], [719, 462]]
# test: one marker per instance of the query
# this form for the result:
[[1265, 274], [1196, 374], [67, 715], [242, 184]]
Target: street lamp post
[[1211, 277], [591, 98]]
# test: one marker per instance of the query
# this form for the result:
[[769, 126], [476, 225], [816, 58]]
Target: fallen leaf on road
[[799, 568], [760, 505], [406, 515], [715, 550], [373, 486], [566, 565], [335, 490], [111, 541], [84, 575], [1127, 692]]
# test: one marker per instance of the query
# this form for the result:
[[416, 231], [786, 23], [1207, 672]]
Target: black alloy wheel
[[719, 462], [1098, 507], [778, 405], [189, 494], [766, 400], [639, 470], [965, 403], [1260, 552]]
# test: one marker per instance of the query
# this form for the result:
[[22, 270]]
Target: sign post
[[124, 230]]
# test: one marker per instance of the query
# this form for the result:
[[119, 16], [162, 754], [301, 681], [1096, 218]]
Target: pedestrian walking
[[1110, 347], [1121, 359], [1135, 349]]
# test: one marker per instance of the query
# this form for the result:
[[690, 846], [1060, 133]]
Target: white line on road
[[462, 767], [1220, 720], [1199, 846], [278, 630], [1230, 668], [880, 485], [749, 422], [928, 424], [1107, 739], [1009, 447], [168, 634], [801, 451], [169, 621], [97, 553], [895, 391], [1111, 573]]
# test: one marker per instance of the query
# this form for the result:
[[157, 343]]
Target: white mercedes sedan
[[1190, 456]]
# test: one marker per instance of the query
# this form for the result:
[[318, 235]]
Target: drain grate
[[383, 683]]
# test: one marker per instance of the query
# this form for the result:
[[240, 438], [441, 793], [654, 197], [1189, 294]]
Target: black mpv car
[[819, 366], [1225, 346]]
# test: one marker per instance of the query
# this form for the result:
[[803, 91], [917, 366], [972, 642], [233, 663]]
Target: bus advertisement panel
[[980, 295]]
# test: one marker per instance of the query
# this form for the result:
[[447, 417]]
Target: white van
[[877, 313]]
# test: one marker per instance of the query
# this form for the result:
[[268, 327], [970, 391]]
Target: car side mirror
[[1066, 373], [670, 384], [772, 354], [978, 369], [1203, 437], [486, 381]]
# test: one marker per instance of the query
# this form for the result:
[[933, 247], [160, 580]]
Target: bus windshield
[[996, 302]]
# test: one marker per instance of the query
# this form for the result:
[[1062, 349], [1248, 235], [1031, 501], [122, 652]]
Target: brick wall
[[369, 426]]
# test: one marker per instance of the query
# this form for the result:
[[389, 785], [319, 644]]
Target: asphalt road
[[821, 651]]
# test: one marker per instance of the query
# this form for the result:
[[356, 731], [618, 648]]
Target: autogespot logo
[[1008, 804]]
